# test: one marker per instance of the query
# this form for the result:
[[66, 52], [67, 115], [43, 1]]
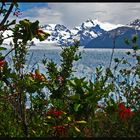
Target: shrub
[[74, 107]]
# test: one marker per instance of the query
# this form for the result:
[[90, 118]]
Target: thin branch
[[6, 38], [9, 52], [7, 15], [2, 7]]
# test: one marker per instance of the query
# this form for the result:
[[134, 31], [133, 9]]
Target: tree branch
[[2, 8], [7, 15]]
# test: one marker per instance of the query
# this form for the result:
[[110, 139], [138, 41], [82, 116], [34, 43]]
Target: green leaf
[[35, 25], [2, 48], [12, 22], [116, 60], [83, 122], [76, 107], [134, 38], [109, 72], [74, 97], [44, 36], [72, 82], [138, 58], [16, 4], [24, 22], [77, 129]]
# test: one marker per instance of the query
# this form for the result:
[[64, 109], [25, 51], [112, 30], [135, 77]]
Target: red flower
[[124, 113], [55, 112], [17, 13], [37, 75], [60, 130], [60, 79], [39, 31], [2, 62], [121, 106], [59, 127]]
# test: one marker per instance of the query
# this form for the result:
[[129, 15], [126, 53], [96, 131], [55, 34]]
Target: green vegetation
[[72, 109]]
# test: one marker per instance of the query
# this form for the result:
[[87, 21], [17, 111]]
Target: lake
[[91, 58], [85, 67]]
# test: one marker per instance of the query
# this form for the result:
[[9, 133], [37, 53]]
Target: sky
[[73, 14]]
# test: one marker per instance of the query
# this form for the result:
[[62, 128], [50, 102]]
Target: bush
[[74, 107]]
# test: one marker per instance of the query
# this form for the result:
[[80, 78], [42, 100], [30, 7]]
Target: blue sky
[[26, 6], [73, 14]]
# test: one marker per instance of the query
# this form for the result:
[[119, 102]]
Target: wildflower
[[41, 35], [124, 113], [39, 31], [17, 13], [2, 62], [37, 75], [55, 112], [60, 129], [60, 79]]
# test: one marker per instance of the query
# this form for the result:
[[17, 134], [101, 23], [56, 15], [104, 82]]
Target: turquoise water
[[91, 58], [85, 67]]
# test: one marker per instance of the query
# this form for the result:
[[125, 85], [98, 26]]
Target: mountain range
[[85, 32], [91, 34]]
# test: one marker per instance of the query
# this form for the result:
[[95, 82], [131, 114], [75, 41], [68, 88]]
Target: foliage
[[76, 107]]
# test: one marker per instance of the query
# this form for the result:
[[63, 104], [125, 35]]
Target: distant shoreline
[[49, 46]]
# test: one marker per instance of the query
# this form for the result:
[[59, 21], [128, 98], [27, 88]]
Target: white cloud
[[73, 14], [44, 15]]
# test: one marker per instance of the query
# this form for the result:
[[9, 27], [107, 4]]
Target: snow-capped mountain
[[103, 25], [85, 32], [91, 33], [118, 35], [89, 30], [135, 24]]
